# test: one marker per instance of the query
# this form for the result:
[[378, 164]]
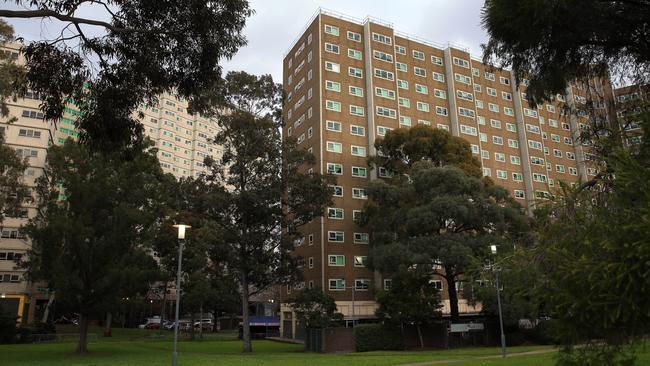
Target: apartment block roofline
[[385, 23]]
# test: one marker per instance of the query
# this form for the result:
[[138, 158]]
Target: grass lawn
[[144, 347]]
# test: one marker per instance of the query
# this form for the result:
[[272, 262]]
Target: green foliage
[[12, 188], [13, 191], [402, 148], [410, 299], [12, 75], [554, 42], [377, 337], [88, 244], [592, 261], [148, 48], [314, 308], [439, 216], [8, 328], [597, 355]]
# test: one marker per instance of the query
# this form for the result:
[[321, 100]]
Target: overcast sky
[[276, 24]]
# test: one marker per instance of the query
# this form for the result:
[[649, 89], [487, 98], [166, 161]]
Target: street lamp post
[[493, 249], [181, 243]]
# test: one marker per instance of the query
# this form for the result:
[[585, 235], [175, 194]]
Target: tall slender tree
[[269, 193]]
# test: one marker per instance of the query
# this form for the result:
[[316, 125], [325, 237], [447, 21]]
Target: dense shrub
[[8, 328], [377, 337]]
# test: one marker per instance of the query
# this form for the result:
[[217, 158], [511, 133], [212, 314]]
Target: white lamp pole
[[181, 242], [493, 249]]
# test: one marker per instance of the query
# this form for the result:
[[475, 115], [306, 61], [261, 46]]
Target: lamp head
[[181, 230]]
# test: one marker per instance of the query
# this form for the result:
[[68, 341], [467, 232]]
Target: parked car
[[149, 324], [152, 326], [207, 324]]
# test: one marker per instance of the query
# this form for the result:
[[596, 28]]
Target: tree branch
[[46, 13]]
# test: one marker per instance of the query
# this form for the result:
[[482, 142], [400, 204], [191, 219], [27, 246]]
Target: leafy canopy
[[553, 42], [143, 49]]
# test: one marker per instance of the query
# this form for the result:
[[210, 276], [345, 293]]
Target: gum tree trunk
[[108, 329], [246, 329], [82, 347]]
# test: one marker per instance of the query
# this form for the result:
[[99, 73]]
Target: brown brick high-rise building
[[348, 82]]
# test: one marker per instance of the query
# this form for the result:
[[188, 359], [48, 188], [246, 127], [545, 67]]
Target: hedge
[[377, 337]]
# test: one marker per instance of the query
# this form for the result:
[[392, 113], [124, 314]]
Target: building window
[[386, 112], [385, 93], [334, 126], [419, 55], [360, 260], [377, 37], [330, 29], [29, 133], [357, 130], [438, 77], [333, 48], [334, 168], [355, 54], [422, 89], [335, 236], [338, 191], [421, 106], [437, 284], [362, 284], [465, 112], [383, 56], [405, 121], [336, 284], [384, 74], [353, 36], [331, 66], [335, 147], [361, 238], [359, 172], [331, 105], [356, 110], [356, 91], [332, 85], [382, 131], [335, 213], [463, 79], [336, 260], [460, 62], [359, 193], [355, 72], [358, 150]]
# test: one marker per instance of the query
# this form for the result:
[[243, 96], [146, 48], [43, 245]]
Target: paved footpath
[[477, 358]]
